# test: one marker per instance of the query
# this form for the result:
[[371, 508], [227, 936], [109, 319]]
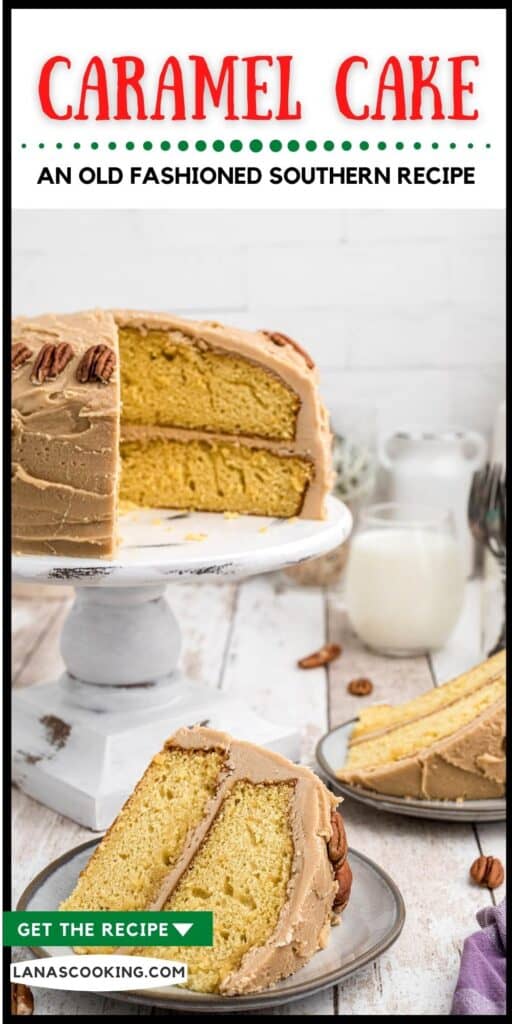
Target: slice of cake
[[448, 744], [222, 825], [159, 412], [386, 716]]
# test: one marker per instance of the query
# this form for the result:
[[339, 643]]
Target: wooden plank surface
[[246, 638], [273, 628]]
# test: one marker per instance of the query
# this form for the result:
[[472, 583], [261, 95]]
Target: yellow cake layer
[[408, 739], [148, 835], [168, 383], [212, 477], [385, 716], [241, 872]]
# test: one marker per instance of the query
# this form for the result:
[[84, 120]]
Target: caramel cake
[[156, 411], [447, 744], [222, 825]]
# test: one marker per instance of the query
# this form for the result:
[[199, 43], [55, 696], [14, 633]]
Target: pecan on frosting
[[51, 360], [343, 876], [337, 845], [20, 354], [283, 339], [96, 365], [337, 849]]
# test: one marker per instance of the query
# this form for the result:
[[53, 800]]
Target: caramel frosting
[[468, 765], [65, 436], [305, 920], [66, 422]]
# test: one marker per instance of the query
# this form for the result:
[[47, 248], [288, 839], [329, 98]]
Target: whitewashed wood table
[[245, 638]]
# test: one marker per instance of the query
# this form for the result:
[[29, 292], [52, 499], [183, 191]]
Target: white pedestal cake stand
[[81, 743]]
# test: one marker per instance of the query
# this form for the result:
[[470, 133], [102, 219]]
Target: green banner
[[108, 928]]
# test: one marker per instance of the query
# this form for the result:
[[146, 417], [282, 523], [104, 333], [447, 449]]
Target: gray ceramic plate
[[330, 754], [372, 921]]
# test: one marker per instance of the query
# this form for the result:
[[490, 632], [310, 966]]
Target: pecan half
[[22, 1000], [96, 365], [41, 368], [51, 360], [326, 654], [283, 339], [20, 354], [487, 871], [343, 876], [337, 845], [360, 687]]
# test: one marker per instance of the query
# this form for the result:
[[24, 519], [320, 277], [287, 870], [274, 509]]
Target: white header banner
[[259, 108]]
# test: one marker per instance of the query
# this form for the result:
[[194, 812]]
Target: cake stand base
[[82, 742], [84, 764]]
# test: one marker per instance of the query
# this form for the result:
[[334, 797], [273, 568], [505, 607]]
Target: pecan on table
[[487, 871]]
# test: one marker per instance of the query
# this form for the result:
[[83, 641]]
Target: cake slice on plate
[[222, 825], [447, 744], [160, 412], [381, 717]]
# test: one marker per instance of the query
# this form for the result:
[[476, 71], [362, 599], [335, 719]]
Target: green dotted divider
[[257, 145]]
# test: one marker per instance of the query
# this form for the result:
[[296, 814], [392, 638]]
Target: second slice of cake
[[447, 744]]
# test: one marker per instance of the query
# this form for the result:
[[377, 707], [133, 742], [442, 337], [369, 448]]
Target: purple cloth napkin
[[481, 986]]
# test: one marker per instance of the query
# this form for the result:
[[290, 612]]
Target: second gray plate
[[331, 753]]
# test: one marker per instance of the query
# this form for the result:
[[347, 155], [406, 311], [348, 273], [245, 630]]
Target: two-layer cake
[[160, 412]]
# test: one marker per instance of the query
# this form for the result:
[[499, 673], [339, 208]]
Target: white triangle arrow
[[182, 928]]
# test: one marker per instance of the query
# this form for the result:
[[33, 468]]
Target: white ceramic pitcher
[[435, 467]]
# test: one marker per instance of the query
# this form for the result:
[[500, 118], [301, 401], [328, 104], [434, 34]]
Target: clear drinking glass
[[404, 578]]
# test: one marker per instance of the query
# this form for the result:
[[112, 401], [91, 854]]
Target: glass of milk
[[404, 579]]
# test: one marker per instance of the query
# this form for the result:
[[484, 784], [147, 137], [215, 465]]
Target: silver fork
[[487, 514]]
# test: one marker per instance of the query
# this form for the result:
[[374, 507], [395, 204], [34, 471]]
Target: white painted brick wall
[[402, 310]]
